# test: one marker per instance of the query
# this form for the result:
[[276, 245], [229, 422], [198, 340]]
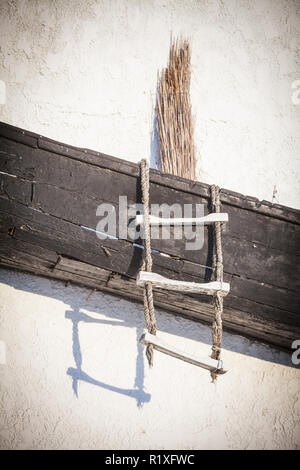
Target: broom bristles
[[175, 124]]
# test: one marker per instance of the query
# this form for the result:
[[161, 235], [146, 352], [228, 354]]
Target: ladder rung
[[207, 219], [204, 362], [157, 280]]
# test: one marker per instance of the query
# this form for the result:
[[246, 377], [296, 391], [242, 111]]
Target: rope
[[218, 267], [147, 261], [147, 266]]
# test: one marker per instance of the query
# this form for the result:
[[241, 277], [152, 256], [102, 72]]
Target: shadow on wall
[[76, 297], [77, 373]]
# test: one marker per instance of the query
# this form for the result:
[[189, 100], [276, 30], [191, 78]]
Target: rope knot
[[147, 260]]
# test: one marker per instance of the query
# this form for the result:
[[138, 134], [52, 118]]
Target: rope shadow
[[168, 322], [78, 374]]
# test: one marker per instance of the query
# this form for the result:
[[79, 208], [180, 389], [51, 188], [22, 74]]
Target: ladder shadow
[[168, 322], [77, 374]]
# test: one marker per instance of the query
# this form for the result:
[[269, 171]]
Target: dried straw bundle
[[175, 125]]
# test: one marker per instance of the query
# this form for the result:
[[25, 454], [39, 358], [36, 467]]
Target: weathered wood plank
[[16, 188], [64, 185], [122, 166], [274, 333], [240, 256], [18, 135], [104, 186], [197, 188], [208, 288], [71, 240], [205, 362], [200, 189]]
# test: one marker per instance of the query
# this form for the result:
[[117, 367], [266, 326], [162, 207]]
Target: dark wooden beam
[[49, 191], [44, 262]]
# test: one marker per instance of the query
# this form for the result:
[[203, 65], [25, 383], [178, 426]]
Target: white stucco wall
[[84, 72]]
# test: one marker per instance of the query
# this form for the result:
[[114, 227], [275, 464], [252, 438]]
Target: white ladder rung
[[207, 219], [204, 362], [157, 280]]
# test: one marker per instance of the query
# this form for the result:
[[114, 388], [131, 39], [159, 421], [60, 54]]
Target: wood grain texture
[[248, 238], [28, 259], [50, 191], [205, 362]]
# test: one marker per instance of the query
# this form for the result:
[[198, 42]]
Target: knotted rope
[[147, 261], [218, 268], [147, 266]]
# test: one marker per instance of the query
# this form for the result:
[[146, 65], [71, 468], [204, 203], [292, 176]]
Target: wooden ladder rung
[[207, 219], [209, 288], [204, 362]]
